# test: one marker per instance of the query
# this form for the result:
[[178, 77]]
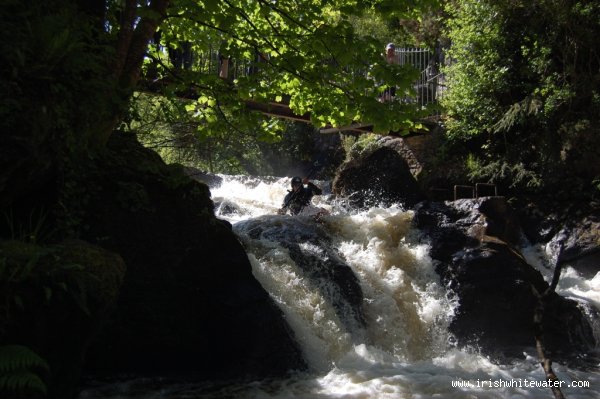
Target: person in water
[[298, 199]]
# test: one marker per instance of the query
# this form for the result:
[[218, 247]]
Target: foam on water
[[405, 350], [252, 197]]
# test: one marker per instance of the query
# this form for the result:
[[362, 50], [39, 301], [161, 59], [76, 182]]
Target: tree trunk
[[130, 50]]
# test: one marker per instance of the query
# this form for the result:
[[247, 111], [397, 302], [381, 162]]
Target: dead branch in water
[[538, 317]]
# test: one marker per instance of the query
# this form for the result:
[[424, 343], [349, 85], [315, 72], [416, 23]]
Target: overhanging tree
[[70, 67]]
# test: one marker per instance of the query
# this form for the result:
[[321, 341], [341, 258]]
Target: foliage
[[53, 75], [25, 265], [375, 25], [70, 68], [426, 28], [524, 89], [219, 146], [20, 370], [403, 30], [324, 58], [270, 148], [478, 68], [355, 147], [499, 170], [34, 229], [309, 53]]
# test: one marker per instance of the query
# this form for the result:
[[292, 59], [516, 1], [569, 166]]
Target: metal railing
[[429, 87], [463, 191]]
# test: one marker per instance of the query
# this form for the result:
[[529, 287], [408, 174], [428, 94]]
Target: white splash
[[405, 350]]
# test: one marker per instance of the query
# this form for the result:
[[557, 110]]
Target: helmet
[[296, 181]]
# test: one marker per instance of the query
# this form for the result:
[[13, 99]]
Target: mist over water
[[403, 349]]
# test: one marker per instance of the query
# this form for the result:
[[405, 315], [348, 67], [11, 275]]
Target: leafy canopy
[[523, 89], [304, 51]]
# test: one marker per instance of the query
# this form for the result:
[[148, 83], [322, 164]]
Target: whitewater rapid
[[404, 349]]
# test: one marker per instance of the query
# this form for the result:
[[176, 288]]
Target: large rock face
[[189, 302], [473, 244], [382, 177], [570, 231], [578, 244], [211, 180]]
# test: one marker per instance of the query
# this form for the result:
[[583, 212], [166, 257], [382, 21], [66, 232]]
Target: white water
[[405, 350], [570, 285]]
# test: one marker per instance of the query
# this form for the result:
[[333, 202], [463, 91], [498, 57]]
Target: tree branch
[[139, 42], [126, 27], [131, 47], [538, 316]]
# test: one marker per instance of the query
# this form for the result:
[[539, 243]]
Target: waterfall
[[404, 349], [406, 310], [393, 342]]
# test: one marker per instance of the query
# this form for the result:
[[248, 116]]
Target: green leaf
[[14, 358]]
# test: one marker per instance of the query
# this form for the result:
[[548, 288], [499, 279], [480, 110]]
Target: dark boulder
[[578, 244], [227, 208], [569, 231], [189, 303], [473, 246], [211, 180], [311, 249], [382, 177]]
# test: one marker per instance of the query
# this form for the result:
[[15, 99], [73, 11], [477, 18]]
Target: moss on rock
[[55, 299]]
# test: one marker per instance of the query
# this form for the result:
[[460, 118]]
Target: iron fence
[[429, 87]]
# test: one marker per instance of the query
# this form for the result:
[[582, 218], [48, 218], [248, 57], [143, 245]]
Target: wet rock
[[570, 232], [189, 303], [311, 249], [473, 246], [538, 225], [382, 177], [578, 240], [226, 208], [211, 180]]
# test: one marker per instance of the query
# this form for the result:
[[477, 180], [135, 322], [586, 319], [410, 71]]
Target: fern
[[500, 170], [517, 113], [34, 230], [19, 368], [22, 382]]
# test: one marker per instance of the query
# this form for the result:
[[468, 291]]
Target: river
[[404, 348]]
